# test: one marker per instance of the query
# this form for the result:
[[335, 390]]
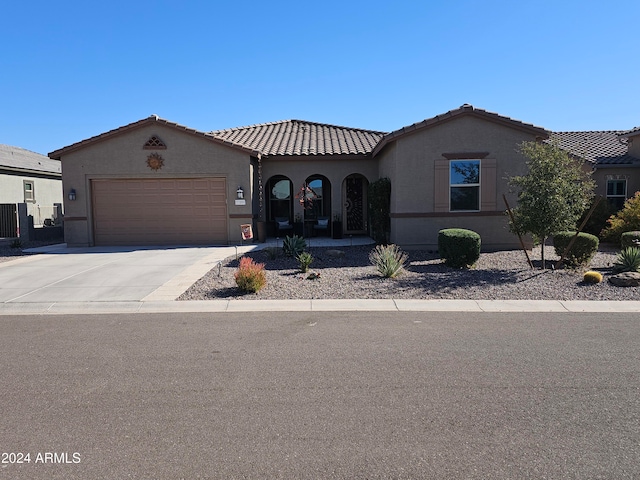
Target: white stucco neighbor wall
[[47, 192]]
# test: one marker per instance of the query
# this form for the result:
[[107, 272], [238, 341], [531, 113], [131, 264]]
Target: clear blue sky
[[72, 69]]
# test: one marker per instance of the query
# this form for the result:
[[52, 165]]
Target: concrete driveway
[[107, 274]]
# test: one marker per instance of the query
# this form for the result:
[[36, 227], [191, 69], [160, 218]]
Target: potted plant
[[336, 227]]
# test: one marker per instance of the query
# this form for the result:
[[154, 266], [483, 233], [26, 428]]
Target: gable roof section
[[21, 160], [597, 147], [465, 109], [297, 137], [153, 119]]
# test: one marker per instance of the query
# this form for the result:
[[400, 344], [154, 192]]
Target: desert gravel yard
[[500, 275]]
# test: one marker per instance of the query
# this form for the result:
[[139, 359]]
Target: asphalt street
[[322, 395]]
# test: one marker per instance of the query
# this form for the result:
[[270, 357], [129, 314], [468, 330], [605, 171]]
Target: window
[[617, 193], [317, 206], [280, 200], [29, 194], [464, 185]]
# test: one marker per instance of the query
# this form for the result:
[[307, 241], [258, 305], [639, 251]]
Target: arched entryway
[[354, 205]]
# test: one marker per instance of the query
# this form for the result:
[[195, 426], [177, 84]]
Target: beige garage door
[[179, 211]]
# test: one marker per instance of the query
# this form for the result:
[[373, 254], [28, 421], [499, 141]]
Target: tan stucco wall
[[335, 169], [632, 175], [422, 233], [122, 156], [410, 164]]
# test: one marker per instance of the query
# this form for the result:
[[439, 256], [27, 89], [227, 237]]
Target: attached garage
[[166, 211]]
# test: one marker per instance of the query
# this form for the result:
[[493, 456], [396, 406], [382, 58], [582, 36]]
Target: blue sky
[[72, 70]]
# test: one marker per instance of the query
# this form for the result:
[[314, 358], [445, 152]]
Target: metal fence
[[8, 220]]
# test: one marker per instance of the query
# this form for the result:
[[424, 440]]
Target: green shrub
[[630, 239], [628, 260], [459, 248], [304, 260], [293, 246], [592, 277], [379, 195], [388, 259], [626, 220], [582, 250], [598, 219], [250, 276]]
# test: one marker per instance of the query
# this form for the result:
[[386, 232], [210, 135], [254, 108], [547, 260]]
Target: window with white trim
[[617, 193], [29, 192], [464, 185]]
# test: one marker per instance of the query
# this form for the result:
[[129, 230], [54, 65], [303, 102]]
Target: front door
[[354, 211]]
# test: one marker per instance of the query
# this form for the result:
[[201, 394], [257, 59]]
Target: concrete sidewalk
[[390, 305]]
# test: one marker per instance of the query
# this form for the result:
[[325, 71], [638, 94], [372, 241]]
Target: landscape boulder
[[626, 279]]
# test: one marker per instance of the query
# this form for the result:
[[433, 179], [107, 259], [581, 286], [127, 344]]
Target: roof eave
[[6, 168], [538, 132], [57, 154]]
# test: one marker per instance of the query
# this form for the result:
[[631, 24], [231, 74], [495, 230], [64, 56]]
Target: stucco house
[[157, 182], [27, 178]]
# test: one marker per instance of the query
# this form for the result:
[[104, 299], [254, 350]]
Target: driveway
[[107, 274]]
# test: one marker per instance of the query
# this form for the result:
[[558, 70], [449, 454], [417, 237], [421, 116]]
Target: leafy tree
[[552, 195]]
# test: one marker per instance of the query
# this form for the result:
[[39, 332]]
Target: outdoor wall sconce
[[240, 193], [72, 194]]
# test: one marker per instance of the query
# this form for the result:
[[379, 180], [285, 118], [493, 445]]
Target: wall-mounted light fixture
[[72, 194], [240, 193]]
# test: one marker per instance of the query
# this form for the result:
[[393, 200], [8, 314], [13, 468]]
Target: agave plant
[[628, 260], [293, 246], [388, 259], [304, 260]]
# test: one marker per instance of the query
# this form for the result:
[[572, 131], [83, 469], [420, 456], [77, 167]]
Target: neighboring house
[[31, 178], [158, 182], [614, 157]]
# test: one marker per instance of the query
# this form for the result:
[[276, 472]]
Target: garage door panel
[[159, 211]]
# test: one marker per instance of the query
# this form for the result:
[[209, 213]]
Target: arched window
[[280, 197], [321, 205]]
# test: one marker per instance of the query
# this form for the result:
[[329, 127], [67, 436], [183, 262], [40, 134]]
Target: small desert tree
[[552, 195]]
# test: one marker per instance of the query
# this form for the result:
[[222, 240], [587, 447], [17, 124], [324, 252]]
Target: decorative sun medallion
[[155, 161]]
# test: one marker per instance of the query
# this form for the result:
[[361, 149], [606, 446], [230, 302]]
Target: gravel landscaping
[[501, 275]]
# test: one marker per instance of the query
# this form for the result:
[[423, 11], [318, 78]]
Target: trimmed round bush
[[458, 247], [628, 239], [582, 251]]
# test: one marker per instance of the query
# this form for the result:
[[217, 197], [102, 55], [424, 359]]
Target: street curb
[[321, 305]]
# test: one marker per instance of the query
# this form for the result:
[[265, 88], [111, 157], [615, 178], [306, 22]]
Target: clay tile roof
[[297, 137], [16, 158], [599, 147], [631, 133]]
